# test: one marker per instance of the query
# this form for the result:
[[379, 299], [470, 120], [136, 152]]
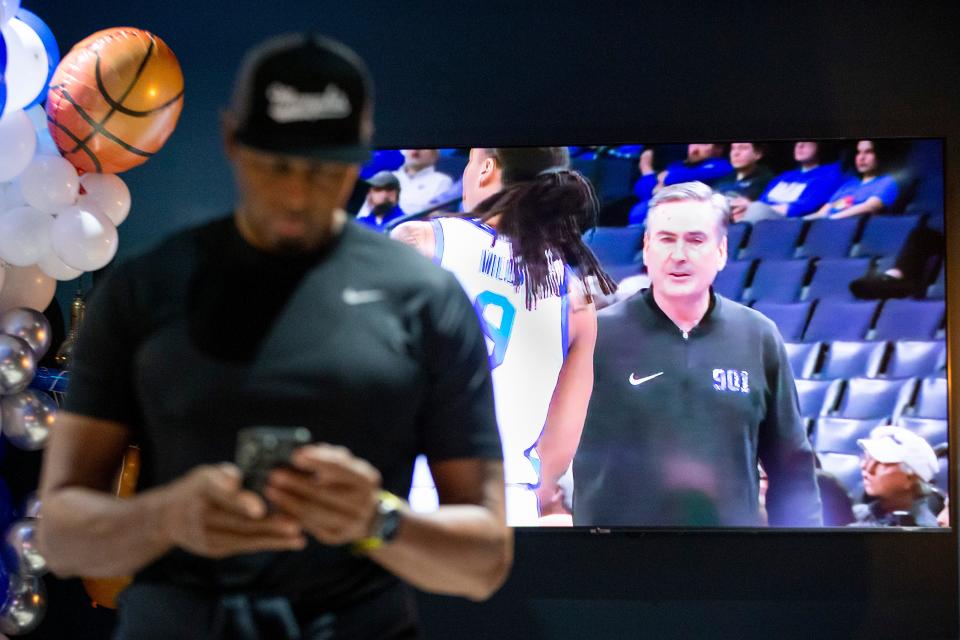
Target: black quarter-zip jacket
[[678, 420]]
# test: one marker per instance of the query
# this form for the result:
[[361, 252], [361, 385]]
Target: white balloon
[[37, 115], [108, 193], [24, 235], [26, 287], [27, 64], [8, 8], [45, 144], [53, 266], [18, 141], [50, 183], [84, 238], [12, 197]]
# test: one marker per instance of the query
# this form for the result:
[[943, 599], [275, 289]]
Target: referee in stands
[[691, 392]]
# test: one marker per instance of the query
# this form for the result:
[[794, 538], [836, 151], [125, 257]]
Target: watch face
[[389, 524]]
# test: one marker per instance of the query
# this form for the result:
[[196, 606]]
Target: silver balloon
[[31, 506], [29, 325], [27, 418], [25, 606], [17, 364], [22, 538]]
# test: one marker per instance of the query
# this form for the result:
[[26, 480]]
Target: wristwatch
[[386, 523]]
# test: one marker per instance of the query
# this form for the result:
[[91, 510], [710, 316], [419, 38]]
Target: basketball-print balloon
[[114, 100]]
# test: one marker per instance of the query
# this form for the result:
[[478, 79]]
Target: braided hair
[[544, 208]]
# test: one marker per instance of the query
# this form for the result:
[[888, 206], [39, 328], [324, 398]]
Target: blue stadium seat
[[852, 359], [875, 398], [931, 401], [774, 239], [778, 280], [909, 319], [840, 435], [833, 276], [735, 234], [803, 357], [846, 468], [840, 320], [615, 246], [916, 359], [817, 397], [933, 430], [828, 238], [731, 281], [884, 235], [790, 318]]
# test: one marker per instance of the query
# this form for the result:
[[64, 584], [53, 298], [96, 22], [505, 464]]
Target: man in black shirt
[[283, 314], [691, 390]]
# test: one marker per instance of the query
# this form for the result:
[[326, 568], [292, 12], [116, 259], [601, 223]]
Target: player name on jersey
[[497, 267]]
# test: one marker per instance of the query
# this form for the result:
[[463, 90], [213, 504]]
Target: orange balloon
[[114, 100], [104, 591]]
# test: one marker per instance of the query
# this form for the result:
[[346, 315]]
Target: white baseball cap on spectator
[[899, 445]]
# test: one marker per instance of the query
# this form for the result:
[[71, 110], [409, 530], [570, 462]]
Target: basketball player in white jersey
[[519, 256]]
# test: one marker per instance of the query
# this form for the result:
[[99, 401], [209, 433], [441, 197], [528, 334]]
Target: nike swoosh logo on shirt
[[635, 380], [361, 296]]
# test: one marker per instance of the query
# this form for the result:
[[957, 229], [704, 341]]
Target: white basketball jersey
[[526, 347]]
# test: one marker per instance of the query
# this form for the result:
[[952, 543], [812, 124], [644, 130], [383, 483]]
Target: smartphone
[[261, 449]]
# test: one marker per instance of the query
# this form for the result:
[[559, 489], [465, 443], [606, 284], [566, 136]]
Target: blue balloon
[[3, 71], [49, 43]]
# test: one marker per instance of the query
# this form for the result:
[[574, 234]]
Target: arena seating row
[[868, 359], [873, 398], [829, 320]]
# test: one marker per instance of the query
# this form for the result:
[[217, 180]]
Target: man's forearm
[[457, 550], [91, 533]]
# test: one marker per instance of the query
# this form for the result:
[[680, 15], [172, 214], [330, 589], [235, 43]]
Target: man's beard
[[382, 209]]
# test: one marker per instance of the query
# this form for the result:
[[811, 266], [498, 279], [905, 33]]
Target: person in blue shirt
[[800, 191], [704, 163], [870, 192], [382, 199]]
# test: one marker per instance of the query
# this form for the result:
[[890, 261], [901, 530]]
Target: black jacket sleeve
[[793, 499]]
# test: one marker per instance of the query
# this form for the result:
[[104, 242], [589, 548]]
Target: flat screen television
[[839, 242]]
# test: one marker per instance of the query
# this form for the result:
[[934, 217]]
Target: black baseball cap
[[384, 180], [304, 95]]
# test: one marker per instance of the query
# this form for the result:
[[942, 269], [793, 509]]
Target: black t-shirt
[[677, 423], [365, 343]]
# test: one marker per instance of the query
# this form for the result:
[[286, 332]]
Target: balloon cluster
[[26, 417], [107, 110]]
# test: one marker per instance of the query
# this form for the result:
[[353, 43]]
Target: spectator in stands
[[381, 203], [748, 179], [897, 467], [704, 163], [800, 191], [420, 182], [907, 276], [870, 192]]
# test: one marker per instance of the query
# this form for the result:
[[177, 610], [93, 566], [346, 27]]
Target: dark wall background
[[458, 73]]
